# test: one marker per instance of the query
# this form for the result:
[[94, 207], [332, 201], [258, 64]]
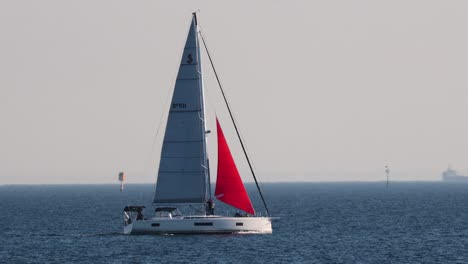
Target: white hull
[[200, 225]]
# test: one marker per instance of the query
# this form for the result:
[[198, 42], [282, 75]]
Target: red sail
[[229, 186]]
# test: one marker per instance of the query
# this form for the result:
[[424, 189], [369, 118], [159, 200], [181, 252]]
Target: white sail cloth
[[182, 175]]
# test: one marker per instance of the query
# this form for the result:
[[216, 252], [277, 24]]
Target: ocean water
[[319, 223]]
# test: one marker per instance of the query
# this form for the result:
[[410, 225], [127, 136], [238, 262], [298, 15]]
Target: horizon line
[[276, 182]]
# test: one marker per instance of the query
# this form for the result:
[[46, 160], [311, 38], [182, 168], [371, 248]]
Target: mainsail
[[183, 169], [229, 186]]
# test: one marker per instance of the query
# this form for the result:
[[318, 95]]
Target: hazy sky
[[322, 90]]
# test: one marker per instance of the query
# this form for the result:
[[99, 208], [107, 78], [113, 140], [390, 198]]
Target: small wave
[[52, 235], [102, 234]]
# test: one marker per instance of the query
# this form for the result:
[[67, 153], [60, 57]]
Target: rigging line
[[246, 147], [234, 122]]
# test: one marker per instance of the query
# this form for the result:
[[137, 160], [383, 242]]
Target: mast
[[234, 123], [206, 165]]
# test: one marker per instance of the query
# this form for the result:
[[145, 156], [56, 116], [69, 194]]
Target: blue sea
[[423, 222]]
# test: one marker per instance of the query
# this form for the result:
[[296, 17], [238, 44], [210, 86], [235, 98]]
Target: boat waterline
[[200, 225]]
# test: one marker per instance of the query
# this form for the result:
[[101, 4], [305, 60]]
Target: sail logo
[[189, 58]]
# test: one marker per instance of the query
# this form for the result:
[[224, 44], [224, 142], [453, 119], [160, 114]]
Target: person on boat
[[139, 215], [210, 207]]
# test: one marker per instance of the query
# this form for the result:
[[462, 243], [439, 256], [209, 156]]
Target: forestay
[[182, 174]]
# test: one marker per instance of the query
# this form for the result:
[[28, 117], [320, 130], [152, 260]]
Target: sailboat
[[183, 179]]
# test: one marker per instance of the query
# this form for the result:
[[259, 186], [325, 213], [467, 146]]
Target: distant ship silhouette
[[451, 175]]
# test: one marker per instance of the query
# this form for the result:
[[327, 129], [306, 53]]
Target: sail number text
[[179, 106]]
